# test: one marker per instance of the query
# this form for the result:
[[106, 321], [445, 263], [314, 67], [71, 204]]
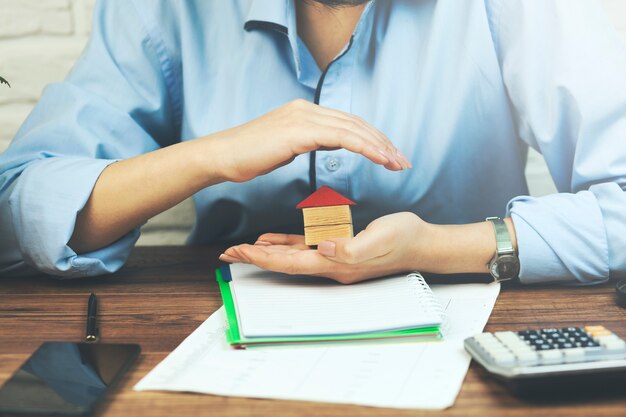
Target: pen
[[92, 311]]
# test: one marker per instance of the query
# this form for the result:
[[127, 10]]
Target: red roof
[[323, 197]]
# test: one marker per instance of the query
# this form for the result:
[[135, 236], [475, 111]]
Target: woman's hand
[[298, 127], [390, 244], [131, 191]]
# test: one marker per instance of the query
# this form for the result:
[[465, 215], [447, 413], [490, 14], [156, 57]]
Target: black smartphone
[[65, 378]]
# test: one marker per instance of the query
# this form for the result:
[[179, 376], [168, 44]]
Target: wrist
[[211, 158], [450, 249]]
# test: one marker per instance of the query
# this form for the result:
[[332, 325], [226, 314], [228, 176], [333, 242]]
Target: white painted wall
[[41, 39]]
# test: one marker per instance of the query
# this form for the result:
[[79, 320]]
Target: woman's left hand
[[390, 244]]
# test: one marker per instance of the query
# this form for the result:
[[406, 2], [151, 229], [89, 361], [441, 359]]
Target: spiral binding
[[427, 299]]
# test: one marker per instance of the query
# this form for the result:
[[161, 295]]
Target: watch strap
[[503, 240]]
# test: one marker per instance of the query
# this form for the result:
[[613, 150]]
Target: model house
[[326, 216]]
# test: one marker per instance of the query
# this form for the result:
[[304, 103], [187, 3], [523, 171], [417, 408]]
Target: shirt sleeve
[[564, 69], [118, 101]]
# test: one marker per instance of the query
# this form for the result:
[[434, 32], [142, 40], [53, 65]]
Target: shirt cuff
[[44, 205], [561, 238]]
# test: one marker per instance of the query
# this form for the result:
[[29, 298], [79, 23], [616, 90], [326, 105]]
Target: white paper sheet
[[270, 304], [425, 375]]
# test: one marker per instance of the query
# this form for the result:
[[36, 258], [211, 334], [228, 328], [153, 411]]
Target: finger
[[332, 137], [284, 249], [389, 152], [230, 259], [281, 239], [338, 114], [383, 153], [235, 252], [382, 138], [366, 132], [231, 252], [360, 127], [323, 134], [307, 262], [363, 247]]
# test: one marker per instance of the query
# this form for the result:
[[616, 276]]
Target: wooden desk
[[164, 293]]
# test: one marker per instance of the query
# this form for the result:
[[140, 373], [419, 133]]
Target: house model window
[[326, 216]]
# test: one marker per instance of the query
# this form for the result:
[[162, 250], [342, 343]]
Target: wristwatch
[[505, 264]]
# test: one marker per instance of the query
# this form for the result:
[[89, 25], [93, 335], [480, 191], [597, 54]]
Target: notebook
[[268, 308]]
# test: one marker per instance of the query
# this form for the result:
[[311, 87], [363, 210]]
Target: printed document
[[422, 375]]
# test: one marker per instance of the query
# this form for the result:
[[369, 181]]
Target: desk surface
[[164, 293]]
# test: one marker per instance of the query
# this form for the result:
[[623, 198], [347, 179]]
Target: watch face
[[507, 266]]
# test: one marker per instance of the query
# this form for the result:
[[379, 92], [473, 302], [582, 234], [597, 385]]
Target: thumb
[[360, 248]]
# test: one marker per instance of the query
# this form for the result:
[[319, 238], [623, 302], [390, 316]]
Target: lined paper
[[271, 304]]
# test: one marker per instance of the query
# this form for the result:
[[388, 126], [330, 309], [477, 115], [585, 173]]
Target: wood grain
[[164, 293], [322, 216], [315, 234]]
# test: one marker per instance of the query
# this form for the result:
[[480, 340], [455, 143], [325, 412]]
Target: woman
[[420, 111]]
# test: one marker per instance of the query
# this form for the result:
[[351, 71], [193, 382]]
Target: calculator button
[[594, 353], [594, 328], [543, 346], [519, 346], [549, 331], [528, 358], [487, 342], [599, 333], [504, 359], [611, 336], [496, 353], [550, 357], [574, 355], [507, 337], [614, 345]]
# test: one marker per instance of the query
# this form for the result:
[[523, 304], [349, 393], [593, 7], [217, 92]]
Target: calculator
[[553, 360]]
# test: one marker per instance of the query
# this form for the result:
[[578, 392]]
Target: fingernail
[[262, 243], [386, 154], [327, 248], [229, 259], [405, 161]]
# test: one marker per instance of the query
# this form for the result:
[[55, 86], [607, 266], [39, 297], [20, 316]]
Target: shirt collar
[[270, 15], [278, 16]]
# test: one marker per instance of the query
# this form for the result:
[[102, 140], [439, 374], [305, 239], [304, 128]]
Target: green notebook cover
[[234, 337]]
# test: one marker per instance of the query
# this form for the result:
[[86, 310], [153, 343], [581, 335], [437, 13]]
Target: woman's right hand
[[276, 138], [129, 192]]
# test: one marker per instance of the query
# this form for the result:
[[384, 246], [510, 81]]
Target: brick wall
[[40, 40]]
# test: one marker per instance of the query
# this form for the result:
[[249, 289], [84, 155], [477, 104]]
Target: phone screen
[[64, 378]]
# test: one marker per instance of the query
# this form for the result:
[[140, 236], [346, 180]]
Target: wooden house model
[[326, 216]]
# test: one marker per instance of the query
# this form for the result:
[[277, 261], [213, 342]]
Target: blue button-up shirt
[[461, 87]]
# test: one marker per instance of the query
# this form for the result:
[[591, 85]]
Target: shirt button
[[332, 164]]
